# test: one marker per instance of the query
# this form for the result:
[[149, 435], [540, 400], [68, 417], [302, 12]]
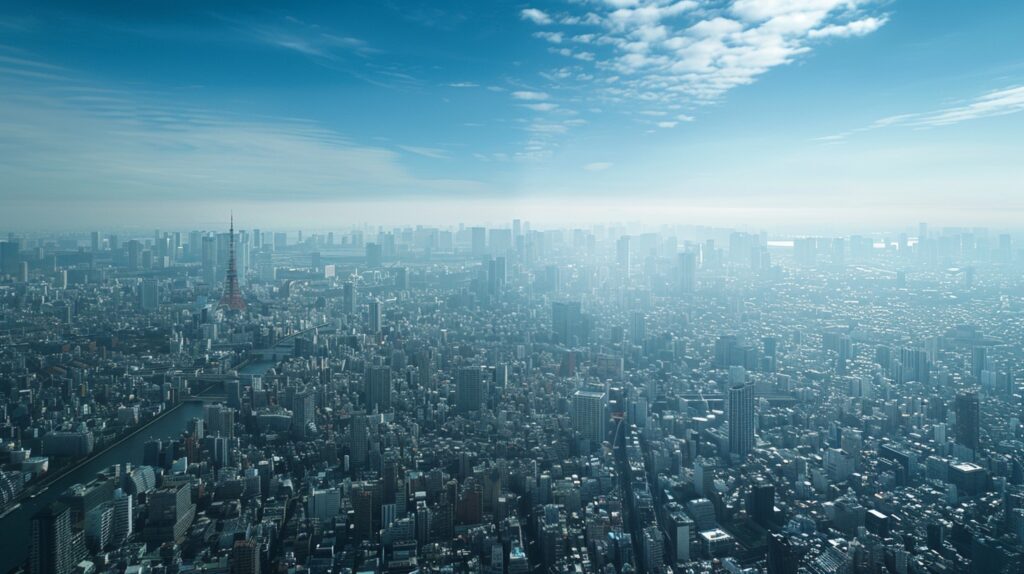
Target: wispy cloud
[[597, 166], [991, 104], [431, 152], [536, 16], [528, 95], [65, 138], [687, 52]]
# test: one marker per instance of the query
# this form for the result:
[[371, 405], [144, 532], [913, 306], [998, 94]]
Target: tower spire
[[232, 297]]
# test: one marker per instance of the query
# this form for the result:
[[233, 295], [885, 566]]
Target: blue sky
[[468, 110]]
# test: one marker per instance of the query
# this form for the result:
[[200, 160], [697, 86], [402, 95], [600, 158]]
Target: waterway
[[15, 532]]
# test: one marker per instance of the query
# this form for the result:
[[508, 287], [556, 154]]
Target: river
[[14, 545]]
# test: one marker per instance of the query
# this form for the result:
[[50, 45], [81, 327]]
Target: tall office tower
[[637, 327], [376, 316], [374, 255], [94, 238], [565, 319], [914, 366], [134, 255], [688, 272], [360, 440], [10, 256], [99, 527], [589, 417], [622, 255], [123, 517], [348, 298], [783, 554], [968, 414], [478, 240], [170, 514], [469, 389], [232, 297], [761, 503], [149, 295], [402, 278], [209, 259], [497, 275], [54, 548], [805, 251], [378, 389], [741, 418], [245, 557], [303, 413], [979, 358]]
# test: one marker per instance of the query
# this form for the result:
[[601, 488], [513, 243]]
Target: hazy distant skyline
[[866, 112]]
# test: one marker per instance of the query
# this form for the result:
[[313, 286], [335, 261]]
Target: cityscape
[[512, 287], [512, 399]]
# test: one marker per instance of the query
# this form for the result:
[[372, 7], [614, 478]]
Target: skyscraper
[[469, 389], [589, 417], [741, 418], [245, 557], [378, 388], [968, 415], [232, 298], [622, 255], [376, 316], [688, 272], [53, 551], [565, 320]]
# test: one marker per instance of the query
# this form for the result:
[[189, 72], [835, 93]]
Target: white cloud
[[597, 166], [69, 140], [463, 85], [665, 52], [536, 16], [541, 107], [527, 95], [996, 103], [431, 152], [685, 118], [861, 27], [553, 37], [991, 104], [667, 125]]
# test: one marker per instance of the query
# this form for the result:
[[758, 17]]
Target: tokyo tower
[[232, 298]]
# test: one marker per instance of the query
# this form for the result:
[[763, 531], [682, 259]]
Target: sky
[[758, 112]]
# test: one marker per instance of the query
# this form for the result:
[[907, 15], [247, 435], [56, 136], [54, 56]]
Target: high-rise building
[[688, 272], [469, 389], [209, 259], [54, 547], [303, 412], [10, 257], [589, 416], [123, 517], [979, 360], [622, 255], [99, 527], [637, 327], [170, 514], [968, 415], [149, 295], [565, 321], [741, 418], [348, 298], [378, 389], [245, 557], [783, 555], [375, 318]]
